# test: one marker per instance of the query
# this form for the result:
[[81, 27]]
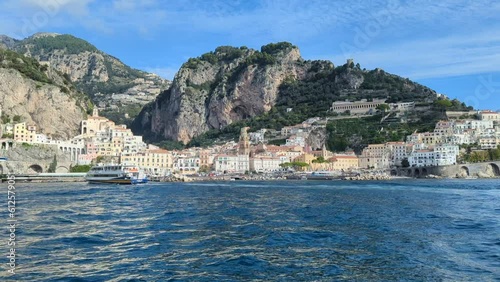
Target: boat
[[116, 174], [471, 177], [317, 175], [321, 175]]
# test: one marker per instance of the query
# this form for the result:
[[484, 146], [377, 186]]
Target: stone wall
[[32, 159], [480, 170]]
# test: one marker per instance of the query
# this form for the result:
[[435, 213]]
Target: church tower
[[324, 152], [95, 112], [244, 143]]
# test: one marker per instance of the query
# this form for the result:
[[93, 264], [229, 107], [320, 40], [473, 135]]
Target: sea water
[[405, 230]]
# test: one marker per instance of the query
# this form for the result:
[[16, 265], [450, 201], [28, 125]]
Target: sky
[[451, 46]]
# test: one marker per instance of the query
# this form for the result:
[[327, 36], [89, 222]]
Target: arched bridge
[[482, 170]]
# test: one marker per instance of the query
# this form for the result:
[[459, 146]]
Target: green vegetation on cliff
[[478, 156], [29, 67], [228, 53], [32, 69], [357, 133], [313, 97], [46, 44], [97, 74]]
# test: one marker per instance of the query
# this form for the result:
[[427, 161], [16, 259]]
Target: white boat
[[116, 174], [471, 177]]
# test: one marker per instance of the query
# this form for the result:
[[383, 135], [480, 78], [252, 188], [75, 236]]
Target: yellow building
[[24, 133], [344, 162], [428, 138], [94, 124], [155, 161], [305, 158], [206, 159], [338, 162]]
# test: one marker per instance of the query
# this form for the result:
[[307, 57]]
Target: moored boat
[[116, 174]]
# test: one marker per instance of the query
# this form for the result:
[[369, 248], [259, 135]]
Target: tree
[[295, 165], [205, 169], [53, 165], [5, 119], [16, 118], [80, 168], [383, 108], [405, 163], [320, 160], [444, 103], [495, 154]]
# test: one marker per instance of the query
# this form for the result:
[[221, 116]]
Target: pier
[[49, 177]]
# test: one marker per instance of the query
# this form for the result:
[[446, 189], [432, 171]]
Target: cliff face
[[220, 88], [7, 42], [233, 84], [39, 96], [109, 82]]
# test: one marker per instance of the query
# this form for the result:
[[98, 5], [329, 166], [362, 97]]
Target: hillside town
[[101, 140]]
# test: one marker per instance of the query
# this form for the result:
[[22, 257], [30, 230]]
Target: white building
[[187, 164], [460, 139], [489, 142], [266, 164], [489, 115], [481, 125], [446, 154], [440, 155], [358, 107], [398, 152], [258, 136], [402, 107], [296, 141], [232, 163]]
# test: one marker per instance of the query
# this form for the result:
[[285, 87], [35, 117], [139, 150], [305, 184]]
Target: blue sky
[[452, 46]]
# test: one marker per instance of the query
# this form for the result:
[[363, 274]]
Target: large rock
[[7, 42], [106, 79], [56, 113], [214, 92], [231, 84], [317, 138]]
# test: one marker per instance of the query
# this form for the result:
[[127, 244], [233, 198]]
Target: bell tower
[[244, 143]]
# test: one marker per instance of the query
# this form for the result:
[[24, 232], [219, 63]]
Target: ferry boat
[[116, 174], [316, 175]]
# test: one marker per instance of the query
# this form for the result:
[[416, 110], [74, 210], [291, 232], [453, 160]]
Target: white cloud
[[412, 37], [425, 58]]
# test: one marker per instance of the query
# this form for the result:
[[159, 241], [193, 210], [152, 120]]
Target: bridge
[[482, 170]]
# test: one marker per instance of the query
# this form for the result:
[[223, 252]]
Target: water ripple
[[260, 231]]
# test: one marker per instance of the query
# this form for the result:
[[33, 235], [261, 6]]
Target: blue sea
[[405, 230]]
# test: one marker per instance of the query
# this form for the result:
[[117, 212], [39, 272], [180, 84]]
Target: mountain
[[7, 42], [110, 83], [231, 87], [35, 93]]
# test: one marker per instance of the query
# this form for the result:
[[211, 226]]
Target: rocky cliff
[[7, 42], [33, 93], [220, 88], [109, 82], [229, 85]]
